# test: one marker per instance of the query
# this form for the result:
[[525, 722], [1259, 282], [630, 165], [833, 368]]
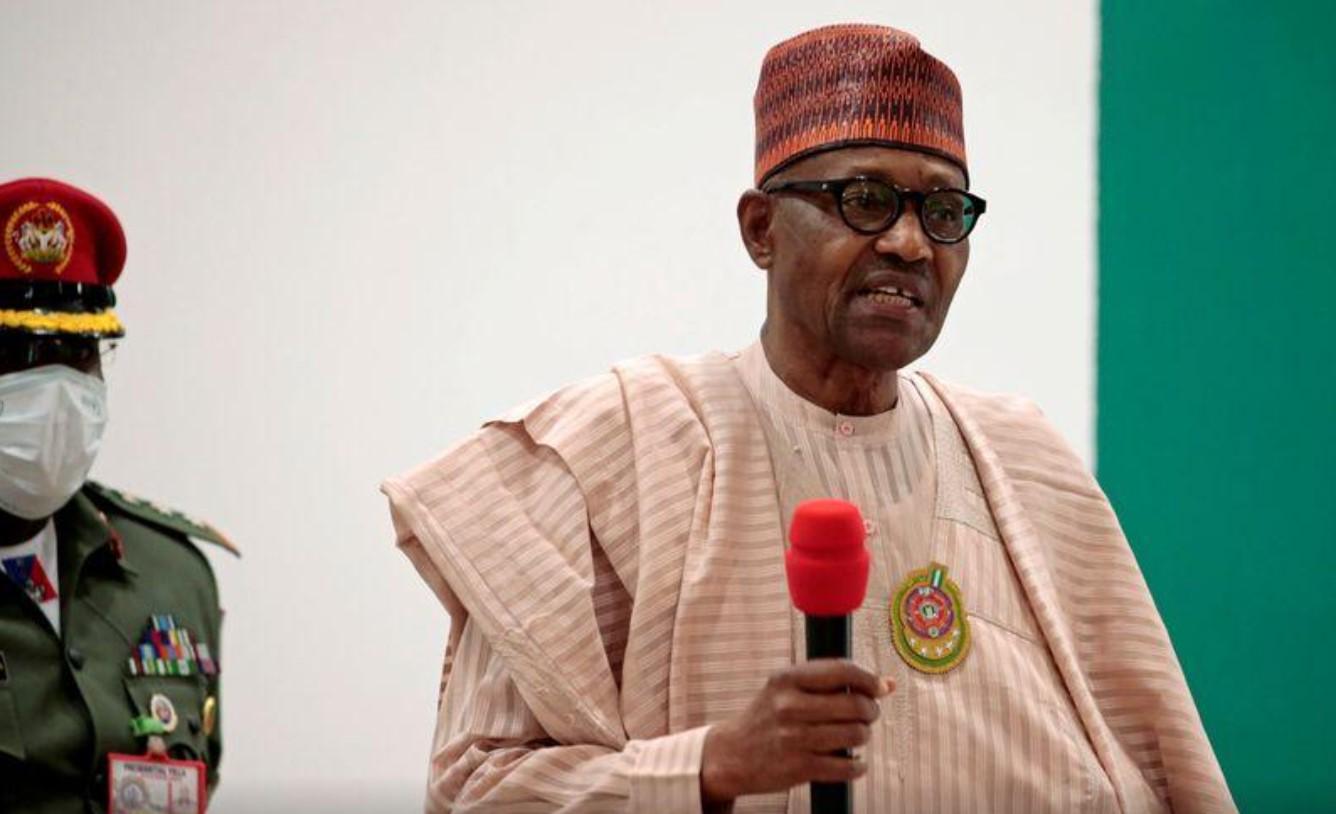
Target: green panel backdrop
[[1217, 365]]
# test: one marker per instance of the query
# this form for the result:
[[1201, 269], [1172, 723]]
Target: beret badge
[[39, 234]]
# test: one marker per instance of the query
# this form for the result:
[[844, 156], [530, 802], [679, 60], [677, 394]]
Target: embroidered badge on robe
[[929, 626]]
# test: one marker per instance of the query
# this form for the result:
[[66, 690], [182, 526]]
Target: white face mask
[[51, 423]]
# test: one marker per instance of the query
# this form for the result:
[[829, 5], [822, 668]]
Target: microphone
[[827, 566]]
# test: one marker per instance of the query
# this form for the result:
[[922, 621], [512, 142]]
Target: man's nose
[[905, 239]]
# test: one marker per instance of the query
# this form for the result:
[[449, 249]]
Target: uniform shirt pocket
[[178, 703]]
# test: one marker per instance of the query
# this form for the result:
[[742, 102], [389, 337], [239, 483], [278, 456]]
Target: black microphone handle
[[828, 637]]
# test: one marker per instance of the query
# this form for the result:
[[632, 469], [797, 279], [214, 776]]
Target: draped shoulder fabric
[[612, 561], [1093, 605]]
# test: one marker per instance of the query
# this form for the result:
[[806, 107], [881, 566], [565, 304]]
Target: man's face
[[19, 351], [822, 274]]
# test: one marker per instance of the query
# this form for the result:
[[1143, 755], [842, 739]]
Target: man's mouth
[[892, 295]]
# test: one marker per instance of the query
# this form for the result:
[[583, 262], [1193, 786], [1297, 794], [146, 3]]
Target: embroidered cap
[[848, 85], [63, 251]]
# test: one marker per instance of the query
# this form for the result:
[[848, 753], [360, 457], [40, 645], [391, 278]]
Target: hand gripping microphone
[[827, 566]]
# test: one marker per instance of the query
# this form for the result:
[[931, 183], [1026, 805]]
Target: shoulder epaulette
[[158, 515]]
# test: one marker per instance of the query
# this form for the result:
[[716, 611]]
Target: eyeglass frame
[[21, 350], [836, 186]]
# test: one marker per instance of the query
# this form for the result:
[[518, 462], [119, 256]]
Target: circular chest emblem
[[162, 708], [929, 626], [929, 611], [40, 237]]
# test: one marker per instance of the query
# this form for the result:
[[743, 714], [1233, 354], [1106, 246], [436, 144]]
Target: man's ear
[[755, 212]]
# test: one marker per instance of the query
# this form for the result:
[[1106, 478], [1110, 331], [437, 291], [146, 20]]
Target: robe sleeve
[[520, 531], [491, 753]]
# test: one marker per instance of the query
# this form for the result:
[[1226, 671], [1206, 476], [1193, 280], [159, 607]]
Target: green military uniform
[[68, 700], [134, 658]]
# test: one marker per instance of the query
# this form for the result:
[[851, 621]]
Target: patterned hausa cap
[[63, 250], [848, 85]]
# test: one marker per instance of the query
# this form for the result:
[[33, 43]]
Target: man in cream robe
[[612, 561]]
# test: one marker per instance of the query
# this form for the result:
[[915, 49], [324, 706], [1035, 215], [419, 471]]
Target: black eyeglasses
[[870, 206], [21, 352]]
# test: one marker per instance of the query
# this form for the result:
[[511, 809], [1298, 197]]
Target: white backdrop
[[358, 229]]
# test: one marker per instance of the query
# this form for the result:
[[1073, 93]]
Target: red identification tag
[[142, 784]]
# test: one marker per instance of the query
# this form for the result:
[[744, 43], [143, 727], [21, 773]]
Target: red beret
[[63, 250]]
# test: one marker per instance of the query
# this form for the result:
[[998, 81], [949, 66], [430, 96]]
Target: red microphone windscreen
[[827, 562]]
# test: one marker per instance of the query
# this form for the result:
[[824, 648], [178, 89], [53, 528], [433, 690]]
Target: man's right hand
[[789, 733]]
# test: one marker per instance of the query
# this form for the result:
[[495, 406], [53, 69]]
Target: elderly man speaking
[[612, 557]]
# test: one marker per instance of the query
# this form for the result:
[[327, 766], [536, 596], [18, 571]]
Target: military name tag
[[139, 784]]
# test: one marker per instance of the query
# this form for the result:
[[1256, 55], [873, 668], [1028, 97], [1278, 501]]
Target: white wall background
[[358, 229]]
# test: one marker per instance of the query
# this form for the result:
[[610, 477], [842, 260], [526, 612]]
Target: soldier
[[109, 616]]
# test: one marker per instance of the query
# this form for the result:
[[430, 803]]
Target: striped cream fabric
[[1093, 606], [1004, 712], [611, 558]]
